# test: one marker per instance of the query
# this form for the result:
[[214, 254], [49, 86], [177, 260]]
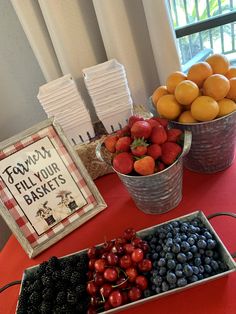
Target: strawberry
[[139, 147], [125, 131], [141, 129], [170, 152], [162, 121], [153, 122], [110, 143], [123, 163], [173, 135], [154, 150], [145, 166], [159, 166], [134, 118], [158, 135], [123, 144]]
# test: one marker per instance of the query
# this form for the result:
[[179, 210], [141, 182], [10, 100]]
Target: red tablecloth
[[210, 193]]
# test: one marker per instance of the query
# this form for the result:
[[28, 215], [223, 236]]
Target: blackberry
[[66, 273], [46, 280], [41, 268], [75, 277], [53, 262], [56, 275], [80, 290], [35, 298], [61, 297], [45, 308], [71, 296], [37, 285], [47, 294]]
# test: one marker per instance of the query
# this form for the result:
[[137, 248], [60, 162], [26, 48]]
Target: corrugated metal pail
[[213, 144], [159, 192]]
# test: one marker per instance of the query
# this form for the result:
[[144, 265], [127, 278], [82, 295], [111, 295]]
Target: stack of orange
[[206, 92]]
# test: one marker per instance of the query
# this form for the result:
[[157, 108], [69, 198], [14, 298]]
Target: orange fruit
[[216, 86], [232, 89], [168, 107], [198, 72], [226, 106], [204, 108], [186, 91], [231, 73], [173, 80], [219, 63], [186, 117], [160, 91]]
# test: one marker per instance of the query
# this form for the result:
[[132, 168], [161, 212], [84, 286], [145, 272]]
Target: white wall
[[20, 78]]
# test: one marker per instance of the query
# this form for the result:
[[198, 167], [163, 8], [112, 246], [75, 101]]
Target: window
[[203, 27]]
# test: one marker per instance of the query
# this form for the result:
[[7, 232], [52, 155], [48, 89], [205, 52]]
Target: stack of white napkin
[[108, 88], [61, 99]]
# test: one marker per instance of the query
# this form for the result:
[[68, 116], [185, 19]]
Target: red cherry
[[92, 251], [121, 282], [99, 265], [145, 265], [134, 294], [91, 263], [89, 275], [125, 261], [129, 248], [98, 279], [125, 297], [110, 274], [137, 255], [105, 290], [108, 245], [115, 298], [120, 241], [144, 246], [136, 241], [141, 282], [107, 306], [129, 234], [91, 288], [112, 259], [91, 310], [131, 273]]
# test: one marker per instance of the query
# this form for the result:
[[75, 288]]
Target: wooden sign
[[45, 190]]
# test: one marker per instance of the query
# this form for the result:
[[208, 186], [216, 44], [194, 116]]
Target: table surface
[[210, 193]]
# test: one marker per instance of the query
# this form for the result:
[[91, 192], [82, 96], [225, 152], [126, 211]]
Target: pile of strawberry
[[144, 147]]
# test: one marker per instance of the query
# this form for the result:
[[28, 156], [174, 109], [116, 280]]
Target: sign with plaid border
[[45, 190]]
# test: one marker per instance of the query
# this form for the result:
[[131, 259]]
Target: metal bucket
[[159, 192], [213, 144]]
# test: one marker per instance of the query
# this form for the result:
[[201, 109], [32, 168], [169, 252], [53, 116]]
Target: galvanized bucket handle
[[186, 147], [223, 214]]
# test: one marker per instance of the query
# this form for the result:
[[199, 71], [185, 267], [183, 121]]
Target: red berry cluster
[[144, 147], [116, 272]]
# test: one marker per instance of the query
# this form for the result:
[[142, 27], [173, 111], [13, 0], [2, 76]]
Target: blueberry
[[162, 235], [158, 248], [171, 278], [169, 235], [177, 240], [175, 248], [207, 235], [184, 237], [200, 276], [214, 265], [197, 261], [174, 224], [189, 256], [193, 278], [201, 244], [207, 260], [201, 269], [181, 257], [185, 246], [179, 267], [154, 256], [162, 271], [161, 262], [184, 227], [157, 280], [162, 253], [202, 251], [202, 237], [147, 293], [195, 270], [176, 231], [208, 269], [193, 249], [211, 244], [166, 248], [181, 282], [178, 273], [164, 286], [157, 290], [169, 255], [169, 242], [187, 270], [209, 253], [194, 236], [171, 264], [191, 241], [192, 229]]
